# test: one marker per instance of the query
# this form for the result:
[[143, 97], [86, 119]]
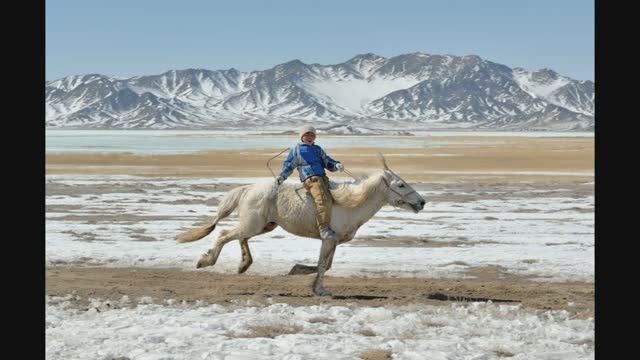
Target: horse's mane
[[354, 194]]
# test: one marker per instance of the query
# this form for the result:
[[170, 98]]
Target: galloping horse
[[263, 207]]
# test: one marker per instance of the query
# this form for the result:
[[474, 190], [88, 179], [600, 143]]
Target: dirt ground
[[476, 159], [225, 289], [547, 163]]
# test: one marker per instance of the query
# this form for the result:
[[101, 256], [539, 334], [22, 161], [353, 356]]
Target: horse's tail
[[227, 205]]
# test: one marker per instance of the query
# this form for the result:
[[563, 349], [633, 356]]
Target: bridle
[[402, 197]]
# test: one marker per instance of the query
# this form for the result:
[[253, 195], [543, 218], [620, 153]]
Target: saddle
[[332, 185], [300, 189]]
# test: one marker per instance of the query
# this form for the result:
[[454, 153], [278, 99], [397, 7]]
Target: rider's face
[[308, 138]]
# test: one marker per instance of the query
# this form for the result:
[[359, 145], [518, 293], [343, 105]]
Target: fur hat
[[305, 129]]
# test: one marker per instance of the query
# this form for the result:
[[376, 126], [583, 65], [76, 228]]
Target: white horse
[[263, 207]]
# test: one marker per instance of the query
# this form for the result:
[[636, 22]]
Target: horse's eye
[[401, 185]]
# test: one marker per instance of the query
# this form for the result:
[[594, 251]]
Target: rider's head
[[307, 134]]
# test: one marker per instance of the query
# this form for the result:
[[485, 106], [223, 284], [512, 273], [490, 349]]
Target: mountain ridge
[[416, 91]]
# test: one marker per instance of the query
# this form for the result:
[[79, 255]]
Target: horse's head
[[400, 194]]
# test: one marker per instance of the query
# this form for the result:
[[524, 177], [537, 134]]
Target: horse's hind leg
[[247, 260], [211, 256]]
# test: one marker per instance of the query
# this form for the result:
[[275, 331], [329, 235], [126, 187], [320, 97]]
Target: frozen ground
[[543, 232], [140, 329]]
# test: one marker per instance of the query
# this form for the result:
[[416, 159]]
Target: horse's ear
[[384, 162]]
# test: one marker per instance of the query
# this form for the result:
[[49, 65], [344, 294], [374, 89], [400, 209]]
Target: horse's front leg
[[327, 250], [300, 269]]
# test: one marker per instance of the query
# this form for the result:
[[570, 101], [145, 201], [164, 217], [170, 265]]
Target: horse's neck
[[372, 205]]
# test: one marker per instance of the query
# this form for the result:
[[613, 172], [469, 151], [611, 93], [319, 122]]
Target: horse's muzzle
[[419, 206]]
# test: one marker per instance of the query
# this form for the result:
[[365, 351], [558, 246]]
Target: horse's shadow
[[338, 297], [358, 297]]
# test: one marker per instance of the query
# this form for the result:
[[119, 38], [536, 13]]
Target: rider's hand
[[340, 167], [279, 179]]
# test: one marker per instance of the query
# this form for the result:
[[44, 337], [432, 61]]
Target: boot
[[327, 234]]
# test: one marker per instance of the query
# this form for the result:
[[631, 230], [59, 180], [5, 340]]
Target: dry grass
[[367, 332], [321, 319], [473, 160], [268, 331], [376, 354], [430, 323], [501, 353]]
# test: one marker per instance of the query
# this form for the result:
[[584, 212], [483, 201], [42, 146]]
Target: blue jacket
[[310, 160]]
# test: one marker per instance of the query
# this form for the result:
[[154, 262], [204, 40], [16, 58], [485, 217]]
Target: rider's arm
[[327, 161], [290, 163]]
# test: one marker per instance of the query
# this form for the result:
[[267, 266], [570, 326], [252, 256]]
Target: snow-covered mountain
[[407, 92]]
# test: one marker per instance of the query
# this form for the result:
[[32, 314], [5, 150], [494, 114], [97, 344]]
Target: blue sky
[[139, 37]]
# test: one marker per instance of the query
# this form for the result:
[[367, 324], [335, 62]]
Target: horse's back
[[294, 210]]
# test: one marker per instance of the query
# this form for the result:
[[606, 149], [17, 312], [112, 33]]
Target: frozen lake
[[183, 141]]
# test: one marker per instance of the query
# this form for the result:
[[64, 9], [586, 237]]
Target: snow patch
[[354, 94], [459, 331]]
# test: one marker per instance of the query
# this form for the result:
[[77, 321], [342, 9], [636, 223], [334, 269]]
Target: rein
[[275, 177], [280, 153], [269, 167], [401, 201], [350, 174], [384, 179]]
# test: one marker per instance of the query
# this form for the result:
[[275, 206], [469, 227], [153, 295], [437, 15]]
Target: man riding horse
[[264, 206], [310, 161]]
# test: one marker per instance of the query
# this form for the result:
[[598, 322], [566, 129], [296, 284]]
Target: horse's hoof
[[202, 263], [322, 292]]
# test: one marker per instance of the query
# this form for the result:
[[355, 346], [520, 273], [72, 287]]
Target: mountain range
[[367, 93]]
